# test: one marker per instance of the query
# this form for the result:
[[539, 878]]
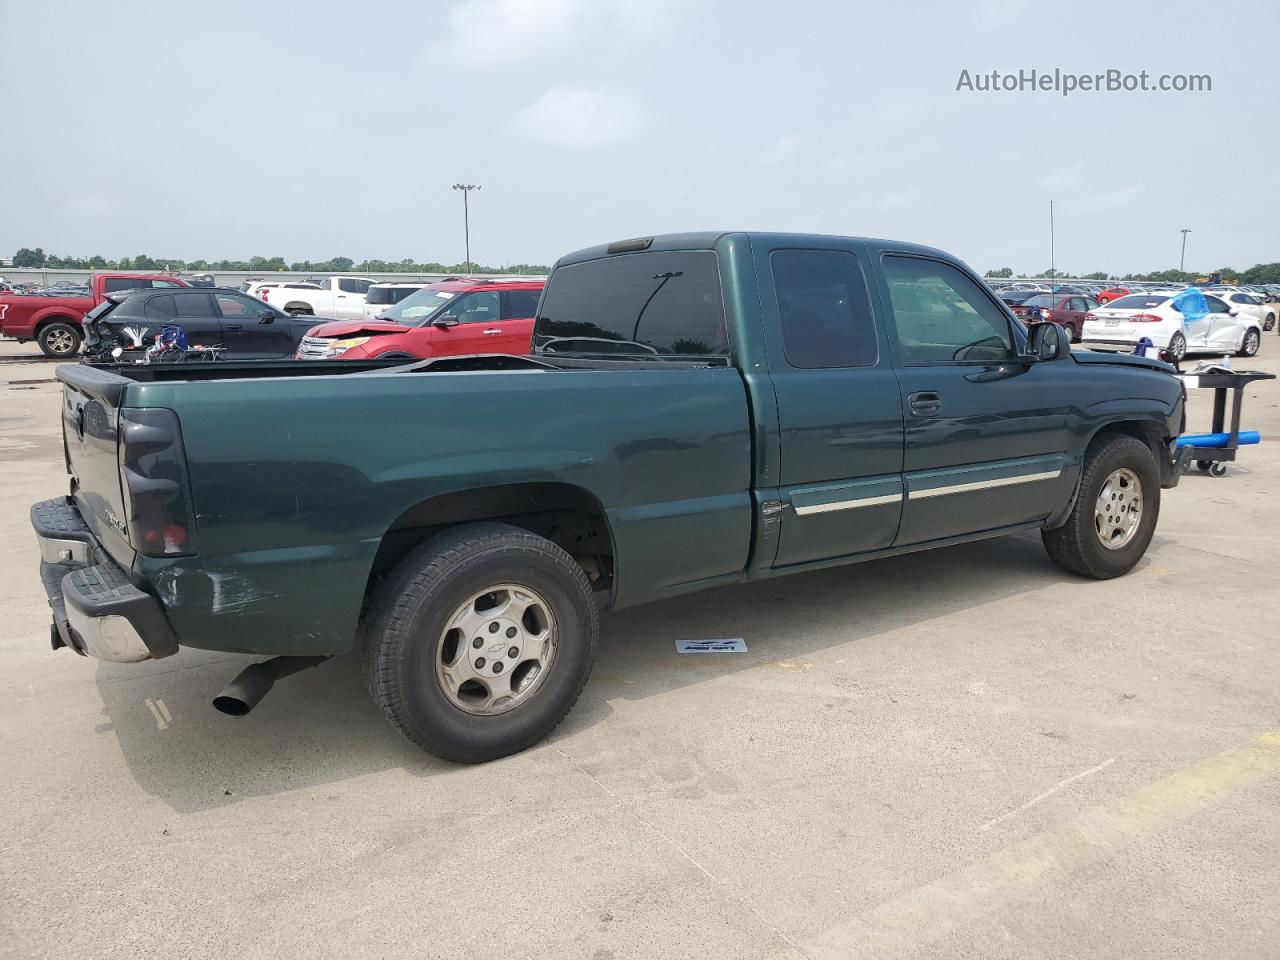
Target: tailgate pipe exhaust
[[254, 682]]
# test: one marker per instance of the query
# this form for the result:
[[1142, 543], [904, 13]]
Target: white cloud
[[785, 148], [898, 199], [995, 15], [1061, 180], [578, 118], [486, 33]]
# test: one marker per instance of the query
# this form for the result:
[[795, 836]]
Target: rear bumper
[[97, 611]]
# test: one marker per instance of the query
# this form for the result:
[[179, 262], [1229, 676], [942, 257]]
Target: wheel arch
[[299, 306], [44, 319], [1148, 430], [567, 515]]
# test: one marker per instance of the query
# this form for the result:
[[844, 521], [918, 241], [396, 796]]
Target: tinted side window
[[192, 304], [823, 307], [161, 283], [350, 285], [665, 303], [520, 303], [161, 307], [940, 315]]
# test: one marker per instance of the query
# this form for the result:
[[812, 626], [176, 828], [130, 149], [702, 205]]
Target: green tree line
[[1258, 273], [26, 257]]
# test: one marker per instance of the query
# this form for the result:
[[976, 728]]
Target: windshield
[[415, 310]]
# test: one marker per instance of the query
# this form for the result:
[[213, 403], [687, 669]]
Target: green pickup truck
[[699, 409]]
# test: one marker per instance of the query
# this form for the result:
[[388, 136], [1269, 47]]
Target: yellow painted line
[[933, 911]]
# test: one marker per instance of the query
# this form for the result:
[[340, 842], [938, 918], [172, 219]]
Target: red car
[[1113, 293], [446, 319], [1067, 309], [54, 322]]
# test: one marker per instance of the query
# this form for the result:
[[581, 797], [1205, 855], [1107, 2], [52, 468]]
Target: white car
[[382, 296], [1122, 323], [262, 288], [330, 298], [1248, 302]]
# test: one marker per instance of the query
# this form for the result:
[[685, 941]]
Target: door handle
[[491, 332], [926, 403], [235, 326]]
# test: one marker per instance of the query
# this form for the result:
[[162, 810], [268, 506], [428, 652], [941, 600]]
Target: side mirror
[[448, 320], [1234, 311], [1047, 341], [269, 318]]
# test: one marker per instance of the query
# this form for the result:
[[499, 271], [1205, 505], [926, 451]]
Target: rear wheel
[[59, 339], [1249, 343], [1177, 348], [1115, 512], [481, 641], [299, 310]]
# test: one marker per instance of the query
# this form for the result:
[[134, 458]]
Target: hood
[[356, 328], [1120, 360]]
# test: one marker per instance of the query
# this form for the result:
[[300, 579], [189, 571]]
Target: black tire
[[1204, 465], [408, 619], [1177, 347], [1076, 545], [299, 310], [1218, 469], [60, 339], [1249, 343]]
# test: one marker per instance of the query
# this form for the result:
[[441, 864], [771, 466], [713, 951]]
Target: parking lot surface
[[959, 753]]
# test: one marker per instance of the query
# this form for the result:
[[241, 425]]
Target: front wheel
[[481, 641], [1115, 511], [59, 340], [1249, 343]]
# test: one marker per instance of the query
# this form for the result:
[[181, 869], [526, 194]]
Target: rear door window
[[519, 304], [352, 285], [823, 308], [638, 304]]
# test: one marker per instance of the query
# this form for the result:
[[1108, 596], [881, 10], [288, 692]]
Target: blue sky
[[314, 130]]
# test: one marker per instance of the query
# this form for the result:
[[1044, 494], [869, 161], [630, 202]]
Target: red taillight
[[263, 292], [1145, 318]]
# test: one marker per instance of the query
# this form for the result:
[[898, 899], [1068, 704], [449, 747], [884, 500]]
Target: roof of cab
[[708, 239]]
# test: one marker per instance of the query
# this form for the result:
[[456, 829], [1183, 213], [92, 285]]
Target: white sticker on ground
[[731, 645]]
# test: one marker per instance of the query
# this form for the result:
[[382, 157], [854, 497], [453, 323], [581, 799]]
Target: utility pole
[[1182, 262], [1053, 266], [466, 215]]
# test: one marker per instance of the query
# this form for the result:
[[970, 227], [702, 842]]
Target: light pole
[[466, 215], [1053, 266], [1182, 262]]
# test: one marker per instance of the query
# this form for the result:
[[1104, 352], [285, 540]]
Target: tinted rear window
[[642, 304]]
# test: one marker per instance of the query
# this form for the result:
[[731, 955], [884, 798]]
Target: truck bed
[[298, 470]]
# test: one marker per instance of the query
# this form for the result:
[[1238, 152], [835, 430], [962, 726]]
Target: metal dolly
[[1214, 458]]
